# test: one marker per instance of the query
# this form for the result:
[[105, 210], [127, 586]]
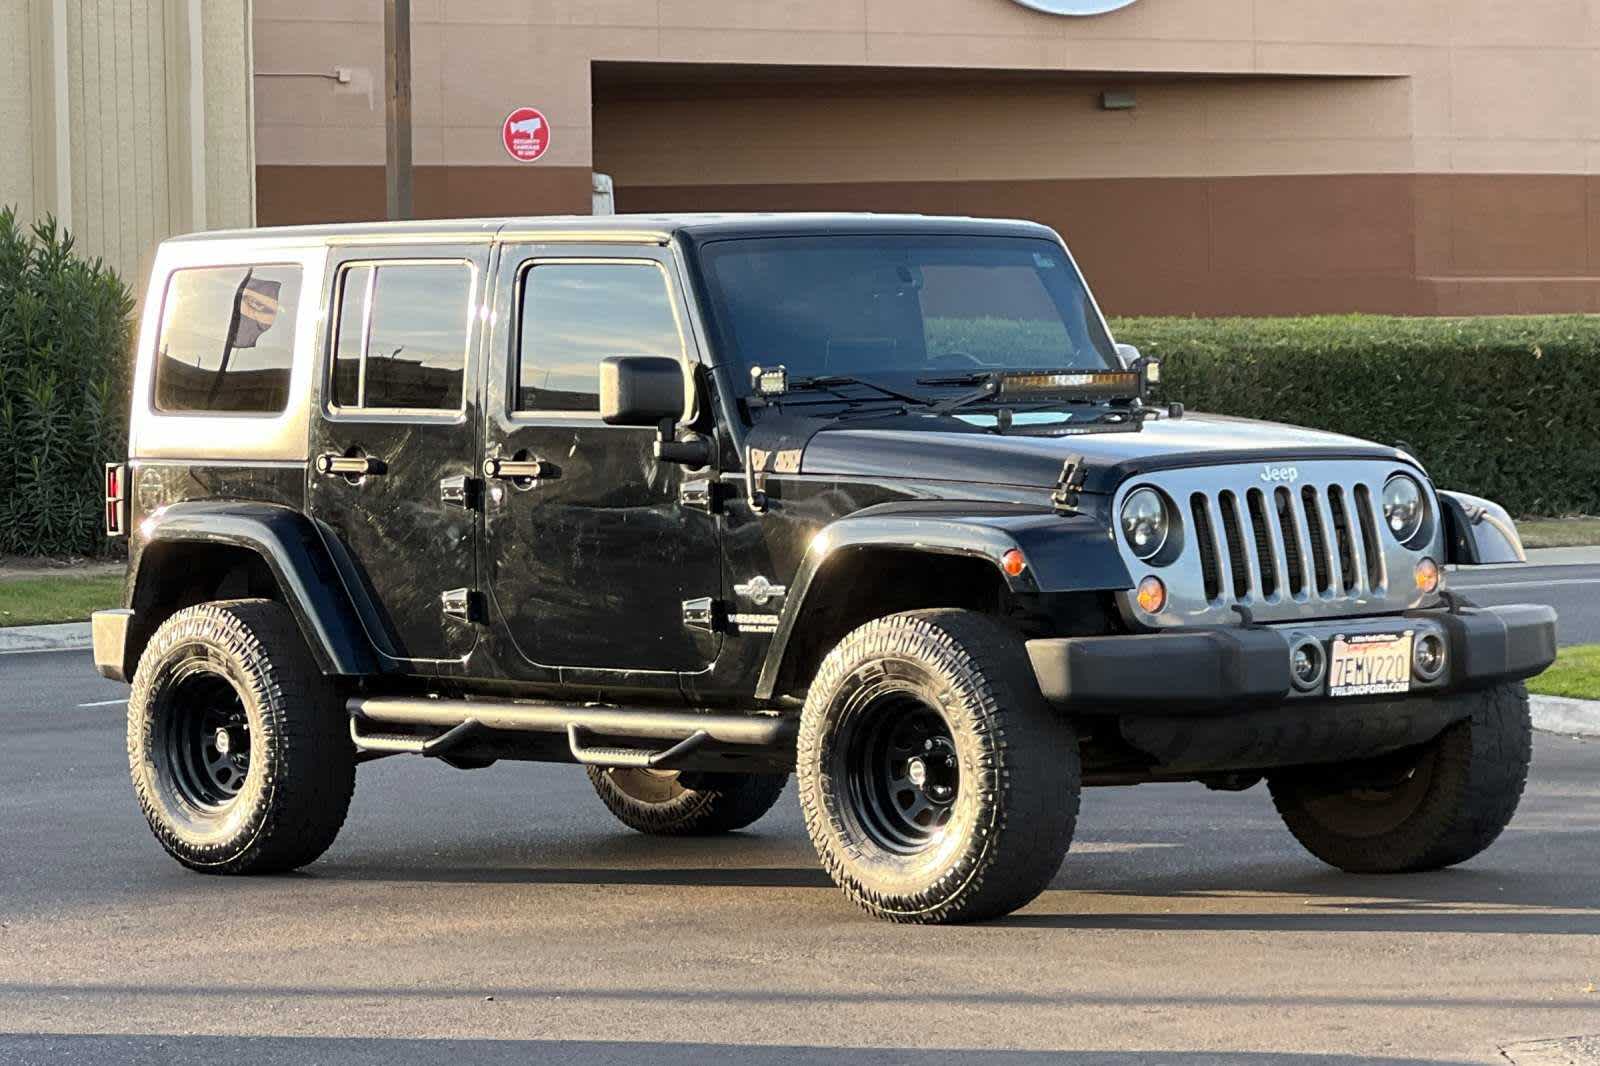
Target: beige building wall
[[134, 118], [16, 107], [1457, 141]]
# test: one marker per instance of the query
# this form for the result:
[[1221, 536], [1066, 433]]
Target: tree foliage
[[1499, 407], [64, 369]]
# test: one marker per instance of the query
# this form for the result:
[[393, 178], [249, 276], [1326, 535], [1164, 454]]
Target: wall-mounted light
[[1118, 100]]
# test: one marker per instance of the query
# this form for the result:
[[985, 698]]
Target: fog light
[[1427, 577], [1307, 663], [1152, 595], [1428, 657]]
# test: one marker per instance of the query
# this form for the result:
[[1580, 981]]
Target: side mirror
[[640, 390], [647, 390], [1129, 354]]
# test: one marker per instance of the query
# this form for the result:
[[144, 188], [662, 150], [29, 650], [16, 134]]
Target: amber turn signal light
[[1428, 576], [1013, 562], [1152, 595]]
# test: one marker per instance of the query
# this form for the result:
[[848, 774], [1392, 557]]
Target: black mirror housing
[[640, 390]]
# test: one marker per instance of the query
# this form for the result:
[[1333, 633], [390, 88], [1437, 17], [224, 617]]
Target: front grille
[[1254, 551]]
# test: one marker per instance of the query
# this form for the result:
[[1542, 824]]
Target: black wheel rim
[[1393, 792], [902, 773], [205, 738]]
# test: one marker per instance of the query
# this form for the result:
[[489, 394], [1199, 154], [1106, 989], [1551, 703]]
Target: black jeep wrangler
[[698, 501]]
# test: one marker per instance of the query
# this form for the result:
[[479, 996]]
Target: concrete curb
[[1557, 714], [66, 636], [1564, 556]]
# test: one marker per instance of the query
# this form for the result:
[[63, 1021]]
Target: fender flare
[[1478, 531], [1064, 553], [288, 543]]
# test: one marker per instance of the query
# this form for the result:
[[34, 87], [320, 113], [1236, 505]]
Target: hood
[[937, 452]]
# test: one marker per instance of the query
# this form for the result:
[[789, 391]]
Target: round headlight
[[1403, 507], [1145, 522]]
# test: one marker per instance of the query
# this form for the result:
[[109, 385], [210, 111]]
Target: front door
[[396, 436], [589, 555]]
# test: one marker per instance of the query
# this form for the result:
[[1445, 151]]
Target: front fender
[[1064, 553], [288, 543], [1479, 531]]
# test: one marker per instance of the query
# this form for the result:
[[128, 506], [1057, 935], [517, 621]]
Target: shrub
[[1499, 407], [64, 359]]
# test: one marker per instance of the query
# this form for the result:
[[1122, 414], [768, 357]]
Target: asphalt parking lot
[[1574, 591], [501, 915]]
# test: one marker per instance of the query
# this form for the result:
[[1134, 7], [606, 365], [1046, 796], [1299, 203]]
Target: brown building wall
[[300, 195], [1427, 244], [1440, 156]]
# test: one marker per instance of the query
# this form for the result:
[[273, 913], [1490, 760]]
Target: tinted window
[[574, 315], [401, 341], [227, 340], [912, 306]]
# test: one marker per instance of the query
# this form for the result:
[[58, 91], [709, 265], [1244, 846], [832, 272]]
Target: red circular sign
[[526, 134]]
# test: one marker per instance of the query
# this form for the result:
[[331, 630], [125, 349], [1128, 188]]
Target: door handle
[[335, 465], [521, 469]]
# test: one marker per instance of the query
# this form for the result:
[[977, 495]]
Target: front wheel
[[936, 783], [1422, 809]]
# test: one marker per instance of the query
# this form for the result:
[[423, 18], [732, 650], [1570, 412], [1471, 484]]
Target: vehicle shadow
[[1251, 899], [170, 1050]]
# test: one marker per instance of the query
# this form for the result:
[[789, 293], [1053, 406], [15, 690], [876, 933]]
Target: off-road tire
[[1462, 790], [687, 804], [300, 776], [1016, 800]]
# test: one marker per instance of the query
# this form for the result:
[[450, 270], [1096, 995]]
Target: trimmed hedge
[[64, 360], [1499, 407]]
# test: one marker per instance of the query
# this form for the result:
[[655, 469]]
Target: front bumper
[[1218, 671]]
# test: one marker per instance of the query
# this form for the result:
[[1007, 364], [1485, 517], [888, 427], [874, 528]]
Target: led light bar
[[1105, 384]]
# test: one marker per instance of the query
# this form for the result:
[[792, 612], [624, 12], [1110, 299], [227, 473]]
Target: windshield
[[902, 307]]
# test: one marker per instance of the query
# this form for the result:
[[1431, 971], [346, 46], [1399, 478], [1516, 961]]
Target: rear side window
[[401, 337], [576, 314], [227, 340]]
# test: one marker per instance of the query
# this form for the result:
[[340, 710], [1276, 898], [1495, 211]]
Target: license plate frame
[[1370, 664]]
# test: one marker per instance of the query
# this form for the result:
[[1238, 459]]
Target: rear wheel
[[237, 746], [937, 784], [1422, 809], [681, 803]]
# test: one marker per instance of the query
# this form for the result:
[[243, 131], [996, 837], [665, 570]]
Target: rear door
[[397, 435], [589, 564]]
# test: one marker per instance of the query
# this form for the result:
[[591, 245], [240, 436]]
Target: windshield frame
[[718, 325]]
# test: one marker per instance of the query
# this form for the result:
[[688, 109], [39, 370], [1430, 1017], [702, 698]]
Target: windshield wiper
[[833, 382]]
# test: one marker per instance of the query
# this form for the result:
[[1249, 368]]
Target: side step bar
[[648, 760], [686, 733]]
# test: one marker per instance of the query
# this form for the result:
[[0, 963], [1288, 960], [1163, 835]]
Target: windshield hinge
[[1069, 486]]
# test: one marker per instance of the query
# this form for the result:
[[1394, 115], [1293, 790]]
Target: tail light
[[116, 499]]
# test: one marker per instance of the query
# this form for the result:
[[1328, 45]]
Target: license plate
[[1373, 664]]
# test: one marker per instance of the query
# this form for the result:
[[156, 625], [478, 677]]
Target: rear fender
[[287, 542]]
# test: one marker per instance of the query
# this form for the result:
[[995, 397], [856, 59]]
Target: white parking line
[[1491, 586], [104, 703]]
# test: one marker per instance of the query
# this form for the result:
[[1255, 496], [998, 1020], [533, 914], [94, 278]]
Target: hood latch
[[1069, 486]]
